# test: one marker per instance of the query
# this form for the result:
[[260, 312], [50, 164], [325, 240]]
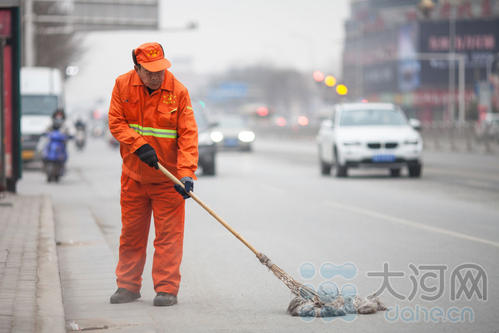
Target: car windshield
[[368, 117], [38, 105], [232, 122]]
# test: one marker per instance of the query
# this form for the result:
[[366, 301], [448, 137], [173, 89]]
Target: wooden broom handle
[[208, 209]]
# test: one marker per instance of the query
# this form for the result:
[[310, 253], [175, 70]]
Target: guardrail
[[465, 137], [438, 136]]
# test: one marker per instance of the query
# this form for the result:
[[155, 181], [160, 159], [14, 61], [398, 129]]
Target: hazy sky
[[288, 33]]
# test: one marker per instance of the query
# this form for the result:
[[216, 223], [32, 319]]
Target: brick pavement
[[29, 288]]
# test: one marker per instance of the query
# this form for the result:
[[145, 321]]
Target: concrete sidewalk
[[36, 261], [30, 289], [86, 265]]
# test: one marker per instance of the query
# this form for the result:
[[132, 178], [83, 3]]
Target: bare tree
[[56, 44], [59, 50]]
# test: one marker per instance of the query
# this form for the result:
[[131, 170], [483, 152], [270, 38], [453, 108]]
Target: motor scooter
[[80, 134], [80, 139], [54, 155]]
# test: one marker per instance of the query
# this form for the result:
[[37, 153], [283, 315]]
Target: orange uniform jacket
[[164, 119]]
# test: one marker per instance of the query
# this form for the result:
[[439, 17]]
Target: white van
[[42, 92]]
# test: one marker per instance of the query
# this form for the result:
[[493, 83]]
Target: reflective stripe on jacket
[[163, 119]]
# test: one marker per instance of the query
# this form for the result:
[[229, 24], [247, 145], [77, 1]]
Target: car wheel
[[209, 169], [395, 172], [325, 168], [415, 170], [247, 148], [341, 170]]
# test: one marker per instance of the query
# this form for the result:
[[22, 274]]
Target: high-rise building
[[398, 51]]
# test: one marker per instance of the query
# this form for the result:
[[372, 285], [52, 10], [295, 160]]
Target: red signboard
[[438, 97], [476, 40], [7, 106], [466, 42], [8, 129], [5, 23]]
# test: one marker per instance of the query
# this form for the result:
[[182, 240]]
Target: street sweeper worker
[[151, 116]]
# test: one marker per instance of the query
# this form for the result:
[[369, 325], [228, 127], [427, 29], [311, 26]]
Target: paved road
[[322, 230]]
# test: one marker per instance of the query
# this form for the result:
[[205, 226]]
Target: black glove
[[148, 155], [189, 187]]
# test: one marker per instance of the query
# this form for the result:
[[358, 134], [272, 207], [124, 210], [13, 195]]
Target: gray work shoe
[[164, 299], [123, 295]]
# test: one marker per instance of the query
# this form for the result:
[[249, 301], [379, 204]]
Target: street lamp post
[[29, 34], [452, 47], [451, 58], [426, 6], [490, 64]]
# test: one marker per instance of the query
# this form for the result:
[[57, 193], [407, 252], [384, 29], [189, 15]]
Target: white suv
[[376, 135]]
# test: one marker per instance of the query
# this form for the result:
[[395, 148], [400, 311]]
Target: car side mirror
[[416, 124], [328, 123]]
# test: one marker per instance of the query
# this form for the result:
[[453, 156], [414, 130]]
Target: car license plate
[[231, 142], [28, 154], [383, 158]]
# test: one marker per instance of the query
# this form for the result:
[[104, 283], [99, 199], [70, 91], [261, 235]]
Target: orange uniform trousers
[[168, 208]]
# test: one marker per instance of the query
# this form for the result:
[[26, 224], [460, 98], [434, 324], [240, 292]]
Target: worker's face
[[151, 80]]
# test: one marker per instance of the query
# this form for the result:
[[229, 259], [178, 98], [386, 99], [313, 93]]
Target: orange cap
[[151, 57]]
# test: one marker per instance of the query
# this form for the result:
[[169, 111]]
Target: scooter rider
[[80, 133], [52, 146], [59, 122]]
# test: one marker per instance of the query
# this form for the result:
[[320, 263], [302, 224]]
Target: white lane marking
[[413, 224]]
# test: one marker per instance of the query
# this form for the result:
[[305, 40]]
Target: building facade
[[393, 52]]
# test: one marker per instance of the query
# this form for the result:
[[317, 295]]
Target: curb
[[50, 309]]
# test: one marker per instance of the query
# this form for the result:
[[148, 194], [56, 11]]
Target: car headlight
[[217, 136], [246, 136], [204, 139], [351, 143], [411, 142]]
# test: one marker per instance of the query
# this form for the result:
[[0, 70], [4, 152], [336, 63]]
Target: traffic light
[[302, 120], [318, 76], [341, 89], [262, 111], [330, 81]]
